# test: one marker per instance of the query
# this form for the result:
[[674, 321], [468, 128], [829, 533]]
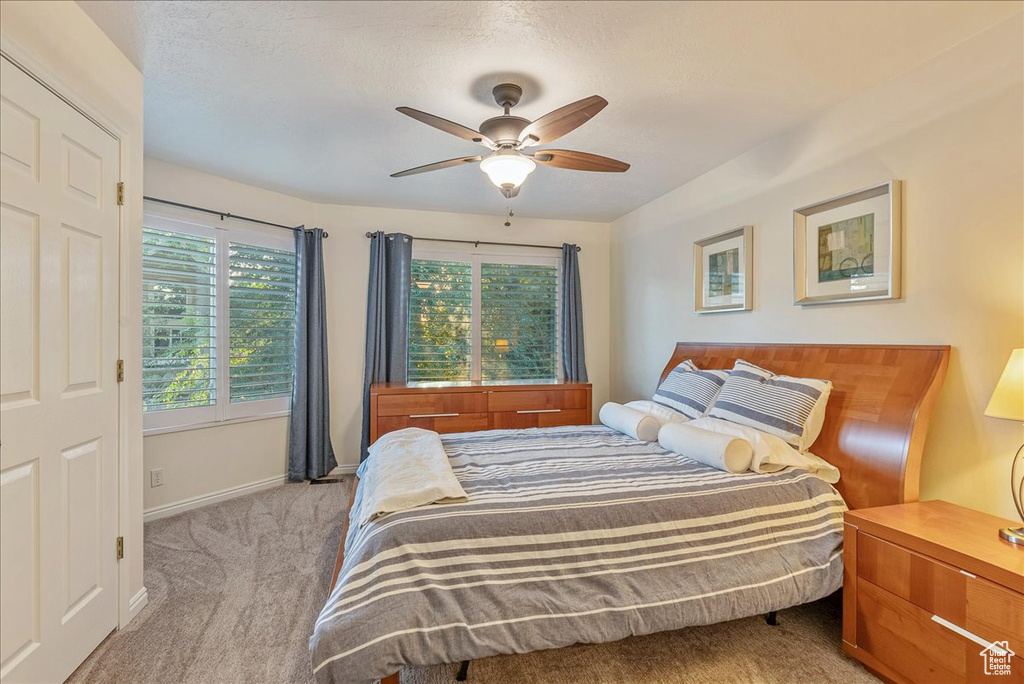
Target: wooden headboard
[[878, 413]]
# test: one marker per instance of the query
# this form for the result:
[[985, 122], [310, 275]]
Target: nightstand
[[927, 587]]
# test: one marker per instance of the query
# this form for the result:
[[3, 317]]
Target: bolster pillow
[[629, 421], [724, 452]]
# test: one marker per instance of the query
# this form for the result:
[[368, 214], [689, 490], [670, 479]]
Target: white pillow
[[663, 414], [771, 453], [784, 406], [815, 421], [690, 390], [629, 421], [724, 452]]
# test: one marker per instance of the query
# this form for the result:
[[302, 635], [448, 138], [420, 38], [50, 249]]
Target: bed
[[584, 535]]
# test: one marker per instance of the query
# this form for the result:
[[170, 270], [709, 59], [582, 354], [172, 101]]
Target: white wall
[[953, 130], [201, 462], [63, 42]]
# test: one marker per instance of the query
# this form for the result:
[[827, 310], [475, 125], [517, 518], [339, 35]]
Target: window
[[218, 310], [483, 317], [262, 326], [440, 318], [178, 325], [518, 321]]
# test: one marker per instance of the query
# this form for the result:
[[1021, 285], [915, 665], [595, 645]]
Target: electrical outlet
[[156, 477]]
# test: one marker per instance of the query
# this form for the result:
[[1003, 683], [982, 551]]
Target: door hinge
[[120, 370], [120, 548], [120, 194]]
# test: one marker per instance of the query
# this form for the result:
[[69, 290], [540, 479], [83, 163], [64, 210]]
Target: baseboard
[[167, 510], [137, 603], [177, 507]]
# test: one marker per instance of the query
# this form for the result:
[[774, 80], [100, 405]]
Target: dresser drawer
[[427, 403], [467, 408], [528, 418], [459, 422], [524, 400], [932, 586]]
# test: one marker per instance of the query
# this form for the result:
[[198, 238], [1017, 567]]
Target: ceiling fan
[[509, 138]]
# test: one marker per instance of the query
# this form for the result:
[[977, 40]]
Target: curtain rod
[[484, 242], [223, 214]]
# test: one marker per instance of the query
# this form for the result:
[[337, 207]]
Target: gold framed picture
[[722, 267], [848, 248]]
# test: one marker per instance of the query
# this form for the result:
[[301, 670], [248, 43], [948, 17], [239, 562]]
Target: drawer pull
[[436, 415], [969, 635], [542, 411]]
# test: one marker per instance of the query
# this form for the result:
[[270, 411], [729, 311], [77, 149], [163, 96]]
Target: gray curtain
[[387, 317], [574, 361], [310, 454]]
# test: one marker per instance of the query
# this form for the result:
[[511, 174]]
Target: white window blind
[[482, 317], [518, 321], [218, 322], [262, 311], [440, 320], [178, 320]]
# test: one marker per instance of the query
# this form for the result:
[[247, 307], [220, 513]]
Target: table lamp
[[1008, 402]]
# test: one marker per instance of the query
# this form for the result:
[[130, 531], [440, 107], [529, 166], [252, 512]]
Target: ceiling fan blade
[[447, 163], [554, 125], [579, 161], [447, 126]]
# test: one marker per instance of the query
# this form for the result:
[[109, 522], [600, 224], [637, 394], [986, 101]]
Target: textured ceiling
[[299, 96]]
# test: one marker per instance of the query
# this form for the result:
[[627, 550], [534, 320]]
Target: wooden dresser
[[465, 407], [926, 585]]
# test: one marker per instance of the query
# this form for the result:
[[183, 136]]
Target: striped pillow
[[690, 390], [787, 407]]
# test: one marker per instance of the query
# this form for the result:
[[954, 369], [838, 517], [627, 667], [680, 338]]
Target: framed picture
[[722, 267], [848, 248]]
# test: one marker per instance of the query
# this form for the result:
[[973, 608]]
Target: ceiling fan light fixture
[[507, 169]]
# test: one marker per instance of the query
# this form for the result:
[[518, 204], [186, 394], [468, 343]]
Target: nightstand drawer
[[425, 404], [996, 613], [905, 638], [934, 587], [911, 645]]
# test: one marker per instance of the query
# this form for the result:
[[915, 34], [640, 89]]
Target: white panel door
[[58, 385]]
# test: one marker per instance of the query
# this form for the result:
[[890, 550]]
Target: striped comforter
[[570, 535]]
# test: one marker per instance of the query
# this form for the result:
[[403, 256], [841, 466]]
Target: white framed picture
[[848, 248], [722, 268]]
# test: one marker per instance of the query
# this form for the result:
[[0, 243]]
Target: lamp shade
[[1008, 398]]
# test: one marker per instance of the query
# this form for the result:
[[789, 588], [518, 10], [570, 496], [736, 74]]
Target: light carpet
[[234, 589]]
